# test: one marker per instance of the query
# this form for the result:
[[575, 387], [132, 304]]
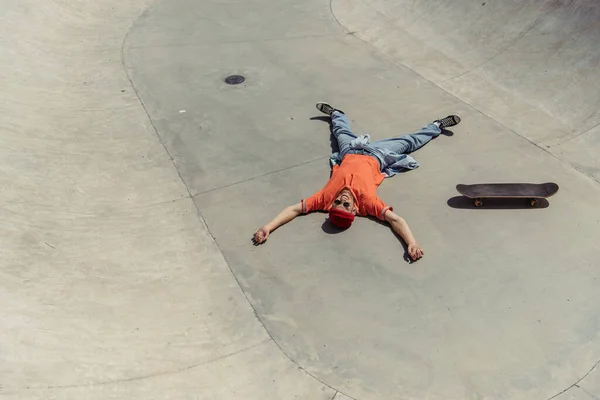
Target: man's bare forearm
[[400, 226], [285, 216], [402, 229]]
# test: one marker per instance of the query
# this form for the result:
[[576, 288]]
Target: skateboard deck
[[531, 191]]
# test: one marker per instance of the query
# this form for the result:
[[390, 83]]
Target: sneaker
[[326, 108], [447, 122]]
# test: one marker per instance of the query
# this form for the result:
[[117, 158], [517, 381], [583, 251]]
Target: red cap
[[340, 218]]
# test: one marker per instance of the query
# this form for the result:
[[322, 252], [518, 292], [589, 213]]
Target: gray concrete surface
[[134, 177]]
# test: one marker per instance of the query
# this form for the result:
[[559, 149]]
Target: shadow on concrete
[[406, 257], [495, 204], [329, 228]]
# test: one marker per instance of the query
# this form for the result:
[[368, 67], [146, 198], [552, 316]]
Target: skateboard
[[531, 191]]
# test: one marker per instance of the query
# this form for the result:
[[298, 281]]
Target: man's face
[[345, 202]]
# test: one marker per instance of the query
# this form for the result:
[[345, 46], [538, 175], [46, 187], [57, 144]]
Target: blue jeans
[[391, 153]]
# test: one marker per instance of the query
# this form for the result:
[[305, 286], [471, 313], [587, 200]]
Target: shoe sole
[[322, 106], [456, 120]]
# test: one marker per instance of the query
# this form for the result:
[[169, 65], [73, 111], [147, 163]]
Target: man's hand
[[285, 216], [260, 236], [415, 251], [401, 228]]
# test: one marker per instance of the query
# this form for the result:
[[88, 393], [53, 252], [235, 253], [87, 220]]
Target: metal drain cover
[[234, 79]]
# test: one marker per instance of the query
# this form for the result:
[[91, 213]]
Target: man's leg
[[340, 126], [411, 142]]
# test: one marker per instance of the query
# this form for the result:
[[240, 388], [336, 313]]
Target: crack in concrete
[[585, 391], [577, 135], [260, 40], [502, 50], [157, 374], [577, 383], [261, 175]]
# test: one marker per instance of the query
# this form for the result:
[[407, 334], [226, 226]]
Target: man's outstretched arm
[[401, 228], [285, 216]]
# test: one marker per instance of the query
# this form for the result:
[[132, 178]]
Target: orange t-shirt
[[361, 175]]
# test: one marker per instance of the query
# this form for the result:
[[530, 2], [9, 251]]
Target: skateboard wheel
[[478, 202], [533, 202]]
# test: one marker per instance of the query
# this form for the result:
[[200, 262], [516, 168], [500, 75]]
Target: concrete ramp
[[133, 178]]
